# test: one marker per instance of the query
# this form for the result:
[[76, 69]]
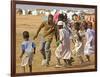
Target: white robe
[[89, 49], [63, 50]]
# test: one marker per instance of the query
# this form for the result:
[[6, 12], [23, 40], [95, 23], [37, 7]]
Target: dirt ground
[[31, 24]]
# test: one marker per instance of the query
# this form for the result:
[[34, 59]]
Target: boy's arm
[[23, 51], [50, 31], [34, 49], [41, 26]]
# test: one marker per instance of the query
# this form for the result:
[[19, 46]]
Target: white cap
[[60, 23]]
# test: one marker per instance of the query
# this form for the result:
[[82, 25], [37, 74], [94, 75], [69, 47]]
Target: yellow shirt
[[48, 30]]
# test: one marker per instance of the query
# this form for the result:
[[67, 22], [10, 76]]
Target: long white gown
[[63, 50], [89, 46]]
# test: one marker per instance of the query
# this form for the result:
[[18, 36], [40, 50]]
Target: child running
[[28, 50], [79, 47], [63, 49], [90, 37]]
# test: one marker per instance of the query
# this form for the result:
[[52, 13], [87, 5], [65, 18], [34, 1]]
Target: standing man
[[48, 36]]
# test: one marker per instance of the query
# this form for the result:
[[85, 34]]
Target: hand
[[35, 37]]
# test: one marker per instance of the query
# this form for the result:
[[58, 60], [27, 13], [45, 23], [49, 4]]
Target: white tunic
[[89, 46], [63, 50]]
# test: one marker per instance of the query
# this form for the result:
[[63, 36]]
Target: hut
[[19, 11], [34, 12]]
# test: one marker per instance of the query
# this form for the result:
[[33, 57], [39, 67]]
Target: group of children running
[[80, 34]]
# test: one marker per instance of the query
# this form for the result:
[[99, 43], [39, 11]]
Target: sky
[[25, 7]]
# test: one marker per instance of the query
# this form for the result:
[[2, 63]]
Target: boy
[[28, 50], [63, 50], [47, 36], [90, 37]]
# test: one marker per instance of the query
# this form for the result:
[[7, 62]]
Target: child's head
[[26, 35], [61, 17], [50, 19]]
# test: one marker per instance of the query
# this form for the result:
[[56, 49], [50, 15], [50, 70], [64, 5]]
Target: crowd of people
[[80, 33]]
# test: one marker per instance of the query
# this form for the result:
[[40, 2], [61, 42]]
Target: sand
[[31, 23]]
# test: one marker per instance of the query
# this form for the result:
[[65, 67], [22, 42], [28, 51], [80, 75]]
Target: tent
[[23, 12], [19, 11], [34, 12]]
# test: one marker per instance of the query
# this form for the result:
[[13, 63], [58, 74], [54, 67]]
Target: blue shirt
[[28, 46]]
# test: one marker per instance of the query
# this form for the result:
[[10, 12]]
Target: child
[[79, 47], [28, 50], [49, 30], [89, 46], [63, 49]]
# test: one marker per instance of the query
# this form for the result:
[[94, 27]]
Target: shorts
[[27, 59]]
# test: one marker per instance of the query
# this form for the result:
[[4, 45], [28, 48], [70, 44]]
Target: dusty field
[[31, 24]]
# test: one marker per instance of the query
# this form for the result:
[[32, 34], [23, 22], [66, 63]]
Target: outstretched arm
[[22, 54], [34, 50], [50, 31], [23, 51], [34, 47], [39, 29], [56, 32]]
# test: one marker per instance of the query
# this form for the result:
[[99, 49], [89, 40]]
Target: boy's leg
[[81, 59], [43, 53], [58, 61], [66, 62], [48, 51], [43, 50], [88, 57], [30, 62], [70, 61], [30, 68]]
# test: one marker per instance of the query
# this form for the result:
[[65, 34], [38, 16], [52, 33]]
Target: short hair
[[25, 34], [61, 17]]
